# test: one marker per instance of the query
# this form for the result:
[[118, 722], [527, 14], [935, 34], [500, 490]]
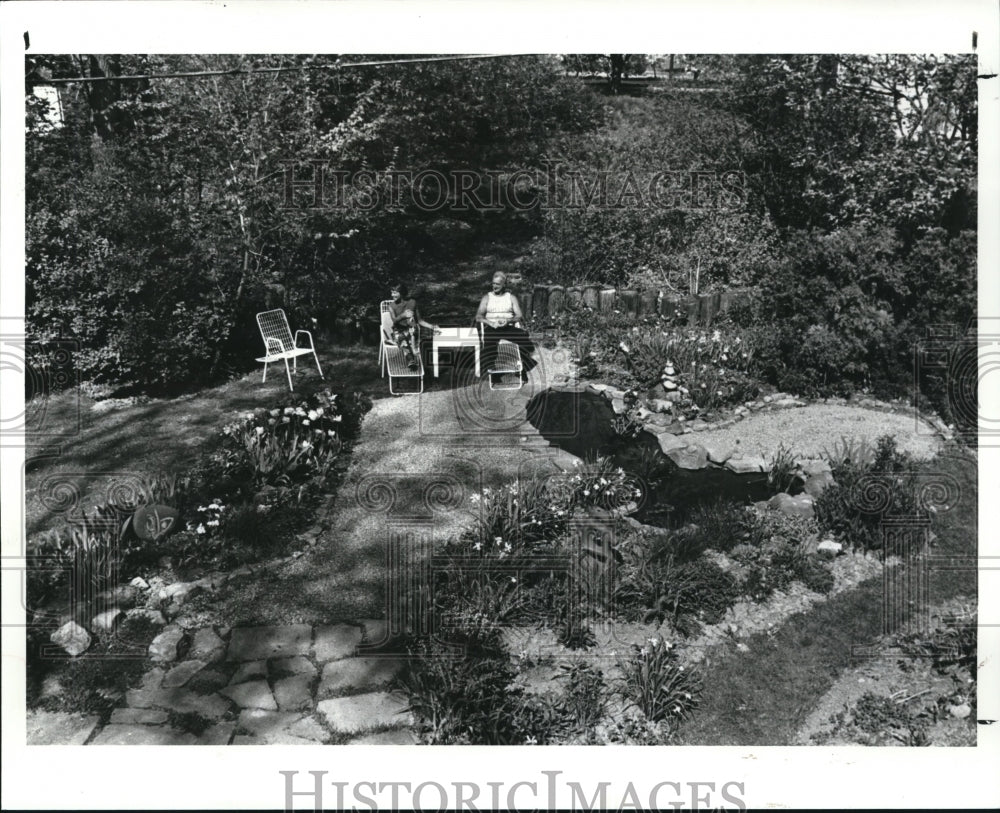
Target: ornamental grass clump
[[657, 683]]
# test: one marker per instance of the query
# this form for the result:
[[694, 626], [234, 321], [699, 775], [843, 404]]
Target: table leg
[[477, 359], [434, 359]]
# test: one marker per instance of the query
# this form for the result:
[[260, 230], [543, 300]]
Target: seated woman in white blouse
[[500, 315]]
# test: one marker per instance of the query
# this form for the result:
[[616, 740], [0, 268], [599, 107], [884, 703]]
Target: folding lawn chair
[[507, 362], [279, 345], [392, 359]]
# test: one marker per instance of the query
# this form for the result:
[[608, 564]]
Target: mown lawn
[[762, 697]]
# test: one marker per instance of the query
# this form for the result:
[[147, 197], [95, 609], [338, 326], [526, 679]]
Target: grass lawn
[[762, 697]]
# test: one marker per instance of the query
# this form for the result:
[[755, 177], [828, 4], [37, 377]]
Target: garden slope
[[414, 469]]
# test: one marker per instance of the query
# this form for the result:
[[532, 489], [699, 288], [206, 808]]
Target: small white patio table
[[456, 337]]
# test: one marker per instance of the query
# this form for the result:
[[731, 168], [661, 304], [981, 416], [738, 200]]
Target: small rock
[[829, 547], [669, 442], [140, 583], [742, 647], [745, 465], [106, 621], [155, 616], [73, 638], [960, 712], [768, 399], [167, 646], [692, 457]]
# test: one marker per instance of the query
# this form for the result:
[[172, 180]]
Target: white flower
[[716, 336], [313, 414], [497, 540], [259, 431], [289, 411], [306, 444], [513, 580], [478, 546], [338, 419], [305, 422], [623, 346], [200, 529], [212, 523], [530, 741], [475, 498], [275, 412]]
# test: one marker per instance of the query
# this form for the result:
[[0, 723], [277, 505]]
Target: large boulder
[[801, 506], [73, 638], [818, 483], [152, 522]]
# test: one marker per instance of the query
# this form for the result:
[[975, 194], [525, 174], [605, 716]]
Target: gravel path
[[808, 430]]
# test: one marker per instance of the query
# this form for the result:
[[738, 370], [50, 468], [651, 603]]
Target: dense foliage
[[158, 215], [840, 189]]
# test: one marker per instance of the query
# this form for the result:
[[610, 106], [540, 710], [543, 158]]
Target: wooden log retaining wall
[[545, 302]]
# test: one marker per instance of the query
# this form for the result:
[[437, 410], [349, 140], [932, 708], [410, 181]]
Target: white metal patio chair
[[507, 362], [392, 359], [280, 345]]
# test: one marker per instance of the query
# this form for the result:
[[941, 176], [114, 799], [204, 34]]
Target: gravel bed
[[808, 431]]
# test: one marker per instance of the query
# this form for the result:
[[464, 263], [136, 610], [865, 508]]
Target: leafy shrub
[[952, 645], [719, 525], [655, 682], [851, 509], [584, 695], [878, 720], [698, 590], [465, 694], [775, 551]]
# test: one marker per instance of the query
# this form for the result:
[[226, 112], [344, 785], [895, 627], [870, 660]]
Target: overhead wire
[[272, 69]]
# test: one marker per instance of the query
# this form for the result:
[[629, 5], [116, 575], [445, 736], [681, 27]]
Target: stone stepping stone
[[207, 646], [282, 738], [357, 673], [59, 728], [253, 695], [278, 728], [182, 673], [143, 735], [338, 641], [283, 667], [363, 711], [257, 643], [127, 716], [294, 693], [376, 631], [210, 706], [249, 671], [396, 736], [218, 734]]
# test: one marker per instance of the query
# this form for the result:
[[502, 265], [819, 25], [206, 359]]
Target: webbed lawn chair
[[507, 362], [280, 345], [392, 359]]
